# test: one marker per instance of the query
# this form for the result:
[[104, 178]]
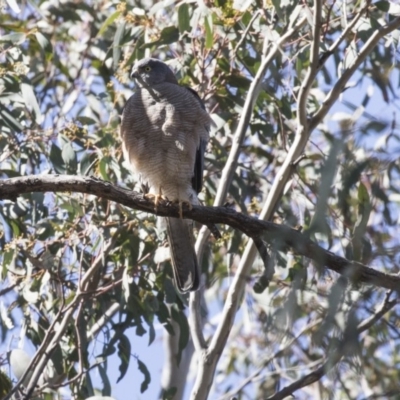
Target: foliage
[[64, 80]]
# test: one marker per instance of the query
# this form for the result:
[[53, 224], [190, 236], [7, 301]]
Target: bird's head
[[149, 72]]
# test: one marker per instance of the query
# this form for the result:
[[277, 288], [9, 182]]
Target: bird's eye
[[147, 69]]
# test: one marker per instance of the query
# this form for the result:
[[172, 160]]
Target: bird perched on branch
[[165, 132]]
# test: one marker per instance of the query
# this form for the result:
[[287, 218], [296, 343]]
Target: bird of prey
[[164, 132]]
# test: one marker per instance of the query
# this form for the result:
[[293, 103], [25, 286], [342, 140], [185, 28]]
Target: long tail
[[183, 256]]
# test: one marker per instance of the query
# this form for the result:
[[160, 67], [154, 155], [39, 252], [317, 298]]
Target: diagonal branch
[[230, 167], [53, 334], [282, 348], [283, 237], [339, 86], [252, 95], [335, 355]]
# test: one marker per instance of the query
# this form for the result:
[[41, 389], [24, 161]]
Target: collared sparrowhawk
[[165, 132]]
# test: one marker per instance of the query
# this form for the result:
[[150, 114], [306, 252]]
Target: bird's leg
[[156, 197], [181, 203]]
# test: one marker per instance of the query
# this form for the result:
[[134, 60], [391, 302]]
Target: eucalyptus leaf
[[108, 22], [184, 18], [146, 374], [30, 101]]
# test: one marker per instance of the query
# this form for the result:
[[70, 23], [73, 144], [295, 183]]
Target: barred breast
[[161, 130]]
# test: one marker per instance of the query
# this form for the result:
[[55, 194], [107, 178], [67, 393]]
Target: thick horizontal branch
[[277, 235]]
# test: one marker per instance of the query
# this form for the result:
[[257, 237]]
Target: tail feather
[[183, 256]]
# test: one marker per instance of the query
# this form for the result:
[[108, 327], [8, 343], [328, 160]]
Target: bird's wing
[[197, 180]]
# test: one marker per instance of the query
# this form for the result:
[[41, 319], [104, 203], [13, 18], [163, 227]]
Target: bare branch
[[107, 316], [246, 31], [302, 123], [236, 288], [33, 365], [278, 353], [336, 355], [339, 86], [347, 30], [278, 235], [43, 354], [252, 95]]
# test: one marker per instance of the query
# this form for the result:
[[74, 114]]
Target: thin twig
[[337, 89], [336, 355], [252, 95], [265, 363], [302, 122]]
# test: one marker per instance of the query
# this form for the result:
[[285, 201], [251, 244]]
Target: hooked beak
[[135, 73]]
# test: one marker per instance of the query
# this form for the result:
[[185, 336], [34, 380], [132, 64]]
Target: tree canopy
[[299, 295]]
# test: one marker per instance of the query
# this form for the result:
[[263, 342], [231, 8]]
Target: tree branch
[[348, 73], [225, 182], [282, 348], [311, 73], [252, 95], [281, 236], [53, 335], [336, 355]]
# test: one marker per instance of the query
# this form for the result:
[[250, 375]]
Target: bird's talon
[[156, 198], [188, 203]]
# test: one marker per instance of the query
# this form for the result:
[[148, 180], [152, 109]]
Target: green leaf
[[9, 120], [103, 168], [261, 284], [8, 256], [382, 5], [147, 378], [15, 228], [181, 319], [87, 163], [168, 35], [15, 37], [108, 22], [5, 384], [351, 55], [152, 334], [44, 43], [117, 44], [86, 120], [183, 18], [208, 23], [57, 160], [30, 101], [124, 354], [69, 156], [363, 195]]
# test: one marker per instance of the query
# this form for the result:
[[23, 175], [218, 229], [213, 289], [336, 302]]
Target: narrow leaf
[[106, 382], [382, 5], [209, 31], [10, 121], [69, 156], [124, 353], [168, 35], [147, 378], [108, 22], [183, 18], [56, 159], [15, 37], [44, 43], [30, 101], [117, 44]]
